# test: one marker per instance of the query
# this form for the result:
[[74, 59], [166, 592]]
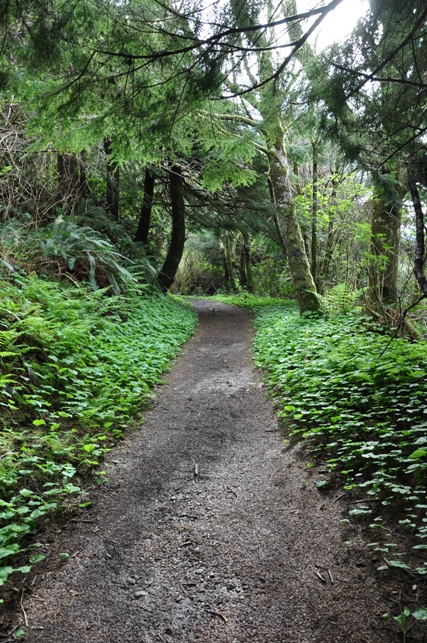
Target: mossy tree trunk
[[314, 212], [176, 247], [385, 237], [246, 280], [302, 280], [230, 282], [420, 254]]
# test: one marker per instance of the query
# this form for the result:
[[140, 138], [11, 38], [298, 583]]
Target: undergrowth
[[251, 302], [360, 401], [76, 366]]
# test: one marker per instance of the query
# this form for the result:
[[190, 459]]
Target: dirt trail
[[211, 529]]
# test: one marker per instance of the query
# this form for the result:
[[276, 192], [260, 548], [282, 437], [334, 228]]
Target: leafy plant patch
[[361, 403], [252, 302], [76, 366]]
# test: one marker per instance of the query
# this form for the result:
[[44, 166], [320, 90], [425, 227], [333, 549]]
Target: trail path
[[211, 529]]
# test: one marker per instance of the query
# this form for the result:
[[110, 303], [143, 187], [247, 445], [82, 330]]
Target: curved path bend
[[211, 528]]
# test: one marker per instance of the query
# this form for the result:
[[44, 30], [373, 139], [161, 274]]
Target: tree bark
[[302, 280], [113, 183], [83, 189], [176, 247], [385, 231], [228, 264], [420, 238], [314, 211], [276, 216], [330, 236], [242, 269], [248, 261], [147, 205]]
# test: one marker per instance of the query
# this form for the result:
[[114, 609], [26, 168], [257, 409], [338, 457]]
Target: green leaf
[[398, 563], [38, 422], [9, 550]]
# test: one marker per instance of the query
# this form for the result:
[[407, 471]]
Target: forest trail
[[211, 528]]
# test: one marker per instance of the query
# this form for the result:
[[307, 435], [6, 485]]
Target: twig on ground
[[184, 592], [232, 490], [331, 578], [196, 471], [221, 616], [340, 496], [319, 575], [24, 613]]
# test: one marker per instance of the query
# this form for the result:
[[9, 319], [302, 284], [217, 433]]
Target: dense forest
[[151, 147]]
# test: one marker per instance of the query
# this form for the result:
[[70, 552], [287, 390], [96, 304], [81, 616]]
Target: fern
[[339, 299], [63, 247]]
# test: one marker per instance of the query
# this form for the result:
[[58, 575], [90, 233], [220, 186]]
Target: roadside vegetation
[[77, 368]]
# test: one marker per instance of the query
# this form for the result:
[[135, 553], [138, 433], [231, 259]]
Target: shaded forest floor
[[210, 528]]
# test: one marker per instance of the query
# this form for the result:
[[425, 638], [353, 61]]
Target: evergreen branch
[[296, 47], [393, 53], [219, 37], [387, 79], [236, 118], [239, 119]]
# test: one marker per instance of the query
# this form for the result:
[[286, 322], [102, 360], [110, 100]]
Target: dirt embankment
[[211, 528]]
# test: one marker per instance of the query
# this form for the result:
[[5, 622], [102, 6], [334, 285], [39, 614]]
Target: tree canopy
[[236, 97]]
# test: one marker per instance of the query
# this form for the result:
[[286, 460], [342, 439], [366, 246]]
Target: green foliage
[[359, 402], [253, 303], [63, 247], [339, 299], [75, 367], [200, 270], [343, 227]]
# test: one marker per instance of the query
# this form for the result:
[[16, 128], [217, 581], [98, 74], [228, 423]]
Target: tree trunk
[[83, 189], [248, 261], [147, 204], [330, 236], [276, 216], [242, 269], [228, 264], [385, 231], [420, 238], [113, 183], [302, 280], [314, 211], [176, 246]]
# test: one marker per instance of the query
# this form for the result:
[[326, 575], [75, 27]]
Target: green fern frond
[[339, 299]]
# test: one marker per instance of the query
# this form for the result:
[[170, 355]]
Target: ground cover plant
[[76, 366], [360, 401], [251, 302]]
